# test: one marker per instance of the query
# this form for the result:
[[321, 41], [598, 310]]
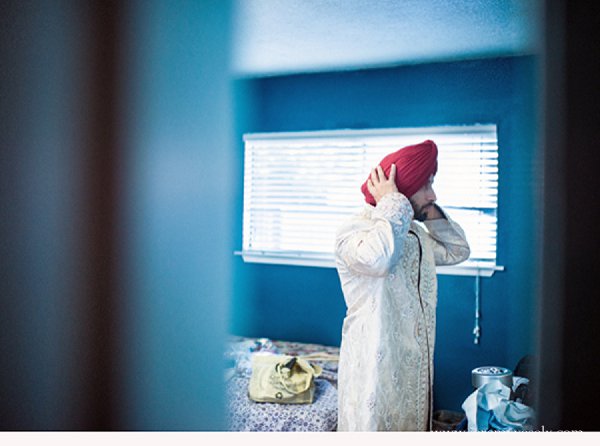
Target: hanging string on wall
[[477, 329]]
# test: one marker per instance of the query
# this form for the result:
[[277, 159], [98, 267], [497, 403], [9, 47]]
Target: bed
[[243, 414]]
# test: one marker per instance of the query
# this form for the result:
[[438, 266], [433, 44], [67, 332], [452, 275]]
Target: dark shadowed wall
[[116, 220]]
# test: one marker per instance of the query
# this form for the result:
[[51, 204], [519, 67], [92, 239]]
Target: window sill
[[325, 261]]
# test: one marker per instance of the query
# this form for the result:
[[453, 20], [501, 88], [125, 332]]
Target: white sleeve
[[372, 245], [449, 243]]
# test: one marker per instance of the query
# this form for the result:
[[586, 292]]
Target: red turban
[[414, 165]]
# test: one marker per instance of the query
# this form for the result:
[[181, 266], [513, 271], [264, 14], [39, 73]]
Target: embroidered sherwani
[[386, 264]]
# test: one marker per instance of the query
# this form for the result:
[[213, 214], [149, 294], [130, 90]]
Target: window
[[300, 186]]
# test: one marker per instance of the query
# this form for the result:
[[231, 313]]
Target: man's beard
[[422, 213]]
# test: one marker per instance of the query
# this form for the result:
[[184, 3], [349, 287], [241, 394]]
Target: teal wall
[[306, 304]]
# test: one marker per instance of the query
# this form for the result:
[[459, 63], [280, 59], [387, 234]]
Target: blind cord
[[477, 329]]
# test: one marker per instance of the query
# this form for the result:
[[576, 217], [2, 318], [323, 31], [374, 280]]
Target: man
[[386, 264]]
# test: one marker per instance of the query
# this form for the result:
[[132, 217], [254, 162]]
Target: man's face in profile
[[423, 200]]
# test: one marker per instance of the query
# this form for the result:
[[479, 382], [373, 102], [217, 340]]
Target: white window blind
[[299, 187]]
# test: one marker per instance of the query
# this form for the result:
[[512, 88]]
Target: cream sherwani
[[386, 264]]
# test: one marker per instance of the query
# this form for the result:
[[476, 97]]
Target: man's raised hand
[[379, 185]]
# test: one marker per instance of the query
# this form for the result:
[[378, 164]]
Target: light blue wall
[[306, 304], [178, 222], [71, 360]]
